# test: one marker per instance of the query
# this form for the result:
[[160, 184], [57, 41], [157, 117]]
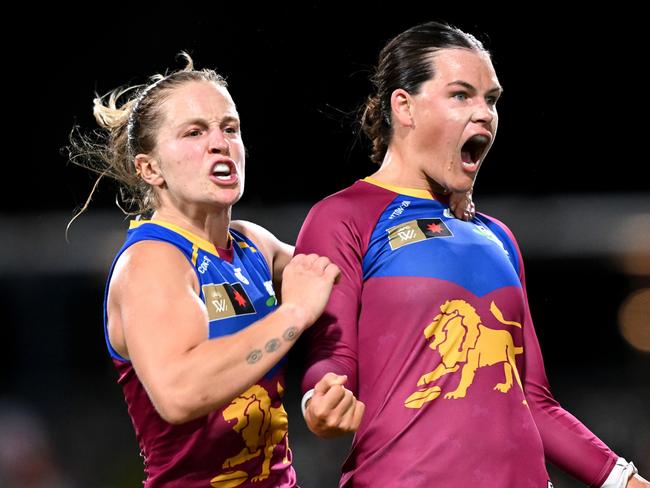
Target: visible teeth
[[222, 168]]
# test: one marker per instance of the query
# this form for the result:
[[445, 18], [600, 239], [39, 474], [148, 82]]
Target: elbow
[[178, 408], [180, 398], [174, 416], [178, 413], [174, 412]]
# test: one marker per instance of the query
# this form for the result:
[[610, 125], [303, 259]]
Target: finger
[[333, 272], [340, 400], [329, 380], [335, 401], [307, 260], [351, 418], [310, 259], [324, 409], [458, 204], [344, 412], [468, 206], [321, 263], [296, 259], [338, 412], [359, 410]]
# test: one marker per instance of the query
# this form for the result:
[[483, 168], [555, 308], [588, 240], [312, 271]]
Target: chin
[[229, 196], [462, 186], [230, 202]]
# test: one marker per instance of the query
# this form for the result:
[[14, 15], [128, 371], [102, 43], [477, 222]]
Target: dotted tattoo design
[[254, 356], [290, 334], [272, 345]]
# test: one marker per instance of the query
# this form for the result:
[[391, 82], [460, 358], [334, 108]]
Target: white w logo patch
[[406, 235], [220, 305]]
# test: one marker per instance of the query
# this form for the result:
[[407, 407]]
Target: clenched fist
[[333, 410]]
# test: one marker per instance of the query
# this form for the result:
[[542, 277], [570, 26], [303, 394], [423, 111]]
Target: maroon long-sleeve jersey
[[430, 321]]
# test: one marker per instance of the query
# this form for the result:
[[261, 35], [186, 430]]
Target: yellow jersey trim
[[193, 238], [245, 245], [412, 192]]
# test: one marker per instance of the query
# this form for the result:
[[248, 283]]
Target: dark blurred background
[[567, 174]]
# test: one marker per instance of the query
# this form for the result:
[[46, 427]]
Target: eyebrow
[[497, 89], [203, 122], [230, 118]]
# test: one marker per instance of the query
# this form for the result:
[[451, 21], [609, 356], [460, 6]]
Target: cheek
[[238, 150], [451, 130], [238, 144], [433, 129], [181, 152]]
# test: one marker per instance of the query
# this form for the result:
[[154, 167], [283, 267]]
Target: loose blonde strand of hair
[[85, 205]]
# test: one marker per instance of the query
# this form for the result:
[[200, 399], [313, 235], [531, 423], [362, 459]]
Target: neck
[[395, 170]]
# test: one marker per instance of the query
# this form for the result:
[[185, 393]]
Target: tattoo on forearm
[[272, 345], [253, 356], [290, 334]]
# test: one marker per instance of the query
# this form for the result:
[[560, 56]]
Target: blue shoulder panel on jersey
[[419, 237], [236, 294]]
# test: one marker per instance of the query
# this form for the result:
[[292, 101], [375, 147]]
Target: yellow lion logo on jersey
[[262, 428], [463, 341]]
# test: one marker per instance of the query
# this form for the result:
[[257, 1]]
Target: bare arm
[[637, 481], [157, 319]]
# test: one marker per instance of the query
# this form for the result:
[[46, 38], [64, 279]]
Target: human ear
[[400, 103], [148, 169]]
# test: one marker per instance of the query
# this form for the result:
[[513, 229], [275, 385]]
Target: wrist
[[305, 399], [620, 474], [296, 315]]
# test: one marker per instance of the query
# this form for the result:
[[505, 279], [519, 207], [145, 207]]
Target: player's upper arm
[[155, 313]]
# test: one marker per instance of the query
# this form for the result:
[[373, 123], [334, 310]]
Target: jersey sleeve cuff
[[306, 397], [620, 474]]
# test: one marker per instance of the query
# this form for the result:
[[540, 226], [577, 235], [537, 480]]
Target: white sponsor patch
[[203, 267], [399, 210], [269, 288], [240, 276], [487, 233]]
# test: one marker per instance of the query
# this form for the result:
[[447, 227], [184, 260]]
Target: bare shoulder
[[149, 277], [276, 252], [151, 264], [253, 231], [260, 236]]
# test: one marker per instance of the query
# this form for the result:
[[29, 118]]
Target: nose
[[218, 143], [484, 113]]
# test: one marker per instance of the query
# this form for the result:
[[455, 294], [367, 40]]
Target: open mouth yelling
[[473, 151], [225, 173]]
